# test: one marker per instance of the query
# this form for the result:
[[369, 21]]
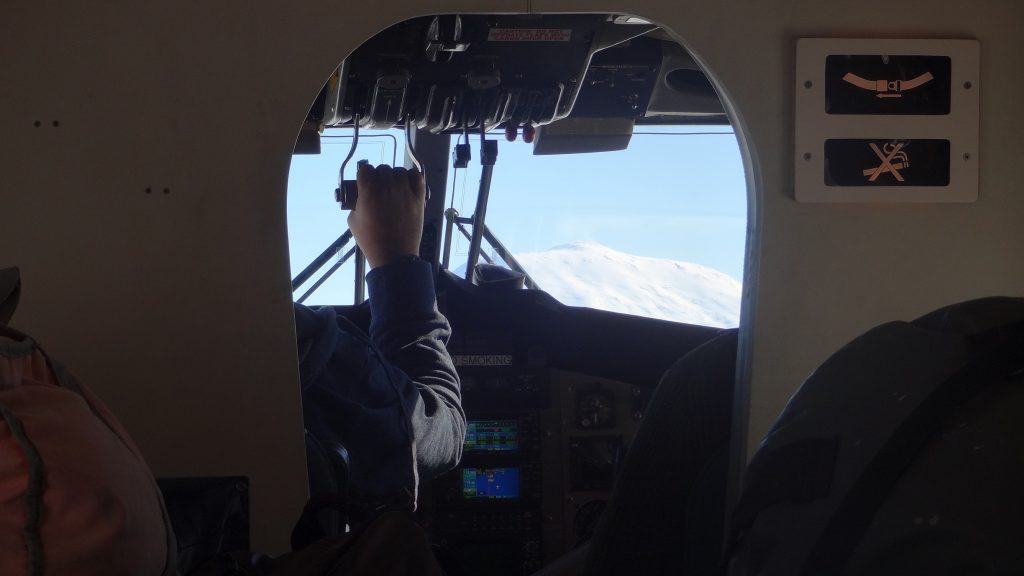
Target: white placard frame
[[814, 125]]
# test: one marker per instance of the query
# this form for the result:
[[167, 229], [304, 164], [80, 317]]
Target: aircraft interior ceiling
[[143, 175], [448, 72]]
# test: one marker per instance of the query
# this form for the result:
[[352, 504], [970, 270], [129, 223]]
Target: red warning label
[[529, 35]]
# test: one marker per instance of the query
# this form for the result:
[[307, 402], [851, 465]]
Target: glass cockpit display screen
[[490, 483], [492, 436]]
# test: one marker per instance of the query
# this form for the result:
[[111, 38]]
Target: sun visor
[[682, 88], [580, 135], [308, 141]]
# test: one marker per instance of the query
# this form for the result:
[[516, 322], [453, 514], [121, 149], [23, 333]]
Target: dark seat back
[[667, 508], [896, 453], [210, 517], [326, 513]]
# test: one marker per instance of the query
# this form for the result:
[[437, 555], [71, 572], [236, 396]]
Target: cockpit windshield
[[611, 176], [656, 230]]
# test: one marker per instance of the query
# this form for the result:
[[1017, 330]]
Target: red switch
[[528, 133]]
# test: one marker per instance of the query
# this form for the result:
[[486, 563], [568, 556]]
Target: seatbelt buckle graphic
[[888, 88]]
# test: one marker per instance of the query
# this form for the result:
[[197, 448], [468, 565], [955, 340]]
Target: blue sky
[[681, 197]]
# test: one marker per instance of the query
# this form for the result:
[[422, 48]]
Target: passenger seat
[[667, 509]]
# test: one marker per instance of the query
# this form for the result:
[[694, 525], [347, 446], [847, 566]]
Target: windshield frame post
[[488, 157], [432, 151]]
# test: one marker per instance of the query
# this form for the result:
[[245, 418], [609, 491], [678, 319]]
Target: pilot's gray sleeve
[[411, 334]]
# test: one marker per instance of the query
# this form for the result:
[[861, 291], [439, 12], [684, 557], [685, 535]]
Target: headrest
[[10, 288], [974, 316]]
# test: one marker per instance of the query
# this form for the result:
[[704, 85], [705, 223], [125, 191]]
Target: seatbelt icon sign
[[887, 154], [888, 88]]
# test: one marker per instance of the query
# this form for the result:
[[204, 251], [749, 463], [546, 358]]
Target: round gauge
[[595, 410], [585, 522]]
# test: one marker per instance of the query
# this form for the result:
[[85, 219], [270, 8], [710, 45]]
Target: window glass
[[655, 230]]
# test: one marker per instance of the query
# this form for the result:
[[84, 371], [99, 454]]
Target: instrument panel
[[553, 396], [541, 451]]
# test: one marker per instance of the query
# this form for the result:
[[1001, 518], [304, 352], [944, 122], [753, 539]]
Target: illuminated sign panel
[[880, 162], [898, 85], [886, 120]]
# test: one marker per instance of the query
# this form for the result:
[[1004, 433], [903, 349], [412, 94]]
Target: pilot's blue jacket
[[392, 397]]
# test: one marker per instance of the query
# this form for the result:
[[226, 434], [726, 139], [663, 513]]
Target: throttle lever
[[410, 150], [347, 192]]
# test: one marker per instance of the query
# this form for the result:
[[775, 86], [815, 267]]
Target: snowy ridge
[[595, 276]]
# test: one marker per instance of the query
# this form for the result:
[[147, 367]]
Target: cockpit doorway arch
[[751, 174]]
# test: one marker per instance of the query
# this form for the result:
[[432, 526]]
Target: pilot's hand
[[387, 222]]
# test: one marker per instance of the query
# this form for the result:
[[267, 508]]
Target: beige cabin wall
[[175, 307]]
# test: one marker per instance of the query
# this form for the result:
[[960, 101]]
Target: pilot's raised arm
[[391, 398]]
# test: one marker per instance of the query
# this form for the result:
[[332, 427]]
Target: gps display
[[490, 483], [492, 436]]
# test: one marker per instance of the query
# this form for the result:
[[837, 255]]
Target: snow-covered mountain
[[592, 275]]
